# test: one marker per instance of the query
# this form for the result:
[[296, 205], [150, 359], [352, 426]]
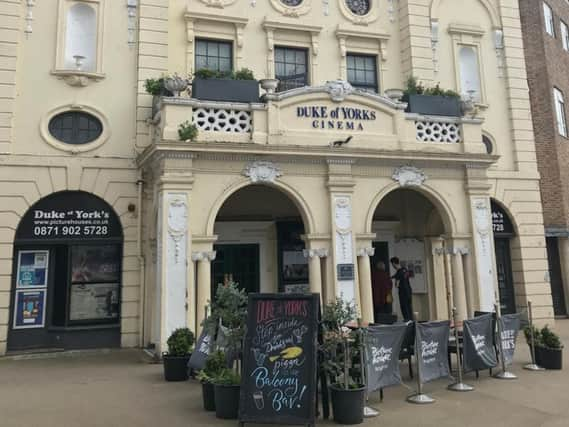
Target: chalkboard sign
[[278, 383]]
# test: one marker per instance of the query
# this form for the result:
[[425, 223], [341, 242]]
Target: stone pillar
[[448, 282], [203, 284], [366, 294], [315, 269], [439, 280], [458, 287]]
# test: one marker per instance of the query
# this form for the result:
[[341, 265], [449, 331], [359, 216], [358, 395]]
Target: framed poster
[[95, 263], [94, 301], [32, 269], [29, 309]]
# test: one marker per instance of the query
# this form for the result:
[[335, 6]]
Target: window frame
[[361, 85], [305, 51], [564, 35], [560, 113], [218, 41], [75, 129], [549, 20], [64, 6]]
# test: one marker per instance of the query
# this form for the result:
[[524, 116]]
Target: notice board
[[278, 383]]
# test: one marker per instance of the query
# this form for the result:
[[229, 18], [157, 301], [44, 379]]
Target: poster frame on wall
[[43, 298], [19, 285]]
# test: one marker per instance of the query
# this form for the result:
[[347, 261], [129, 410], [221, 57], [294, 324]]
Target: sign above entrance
[[70, 215], [501, 223], [336, 118]]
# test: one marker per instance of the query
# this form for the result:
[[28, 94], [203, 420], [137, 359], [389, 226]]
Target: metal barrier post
[[458, 385], [532, 366], [504, 375], [419, 398]]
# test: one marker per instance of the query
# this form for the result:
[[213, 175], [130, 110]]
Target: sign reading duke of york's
[[70, 215], [336, 118]]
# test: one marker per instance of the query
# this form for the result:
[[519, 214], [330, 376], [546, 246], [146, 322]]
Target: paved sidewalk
[[120, 388]]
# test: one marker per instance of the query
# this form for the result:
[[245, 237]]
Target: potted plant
[[176, 359], [550, 349], [536, 340], [214, 365], [227, 389], [157, 88], [187, 131], [432, 101], [227, 323], [239, 86], [338, 349]]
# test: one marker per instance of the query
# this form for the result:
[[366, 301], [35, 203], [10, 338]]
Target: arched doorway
[[503, 229], [67, 271], [259, 243], [405, 222]]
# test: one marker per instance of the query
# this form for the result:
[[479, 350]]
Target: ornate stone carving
[[343, 213], [311, 253], [409, 176], [365, 252], [481, 218], [177, 222], [291, 8], [338, 89], [218, 3], [262, 172], [204, 256]]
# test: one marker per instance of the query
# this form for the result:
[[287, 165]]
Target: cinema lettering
[[338, 118]]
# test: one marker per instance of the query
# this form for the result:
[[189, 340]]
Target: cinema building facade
[[308, 186]]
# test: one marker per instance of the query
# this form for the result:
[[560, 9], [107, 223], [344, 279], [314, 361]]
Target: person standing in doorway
[[381, 287], [405, 292]]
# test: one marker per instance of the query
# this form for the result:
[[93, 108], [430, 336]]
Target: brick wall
[[547, 65]]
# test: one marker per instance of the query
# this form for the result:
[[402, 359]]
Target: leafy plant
[[214, 365], [550, 339], [187, 131], [536, 335], [227, 377], [180, 342], [244, 74], [340, 345], [205, 74], [154, 86], [414, 87]]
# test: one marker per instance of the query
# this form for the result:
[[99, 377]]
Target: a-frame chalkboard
[[278, 383]]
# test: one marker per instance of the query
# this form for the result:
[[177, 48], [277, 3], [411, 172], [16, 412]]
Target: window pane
[[201, 62], [212, 49], [224, 64], [213, 63], [370, 77], [279, 54], [225, 50], [201, 48], [290, 55], [300, 57]]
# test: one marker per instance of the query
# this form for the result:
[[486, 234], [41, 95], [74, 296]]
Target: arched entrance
[[504, 232], [66, 281], [405, 223], [259, 243]]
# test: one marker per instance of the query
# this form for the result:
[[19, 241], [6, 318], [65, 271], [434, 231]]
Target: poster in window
[[95, 263], [30, 309], [94, 301], [295, 266], [32, 269]]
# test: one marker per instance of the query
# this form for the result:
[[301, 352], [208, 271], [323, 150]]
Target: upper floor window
[[74, 127], [548, 17], [214, 55], [359, 7], [362, 71], [470, 73], [560, 112], [565, 35], [291, 67]]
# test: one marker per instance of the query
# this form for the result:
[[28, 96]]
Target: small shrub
[[244, 74], [550, 339], [180, 342], [187, 131], [205, 74], [214, 365], [536, 335], [227, 377], [154, 86], [414, 87]]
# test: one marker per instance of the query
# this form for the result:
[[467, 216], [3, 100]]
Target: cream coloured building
[[263, 194]]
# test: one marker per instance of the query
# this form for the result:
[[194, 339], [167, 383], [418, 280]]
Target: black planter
[[175, 367], [433, 105], [227, 401], [225, 90], [550, 358], [208, 394], [348, 405]]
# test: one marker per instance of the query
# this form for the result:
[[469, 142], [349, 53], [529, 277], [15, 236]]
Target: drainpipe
[[141, 263]]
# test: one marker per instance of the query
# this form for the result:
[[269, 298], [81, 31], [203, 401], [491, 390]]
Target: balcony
[[313, 118]]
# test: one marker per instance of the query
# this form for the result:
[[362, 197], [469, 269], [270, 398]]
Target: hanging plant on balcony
[[434, 101], [226, 86], [187, 131]]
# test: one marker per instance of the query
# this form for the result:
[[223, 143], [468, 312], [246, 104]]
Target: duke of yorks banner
[[509, 327]]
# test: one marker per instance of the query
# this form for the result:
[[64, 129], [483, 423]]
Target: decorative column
[[203, 284], [366, 294], [440, 289], [458, 286], [315, 268]]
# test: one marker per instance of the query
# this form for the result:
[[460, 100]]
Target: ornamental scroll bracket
[[409, 176], [262, 172]]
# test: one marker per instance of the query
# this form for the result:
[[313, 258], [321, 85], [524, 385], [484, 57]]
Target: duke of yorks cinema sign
[[338, 118]]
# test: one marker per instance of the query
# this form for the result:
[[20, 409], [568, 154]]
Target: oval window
[[291, 3], [359, 7], [75, 127]]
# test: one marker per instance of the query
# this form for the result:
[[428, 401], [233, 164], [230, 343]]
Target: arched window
[[81, 38], [470, 73]]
